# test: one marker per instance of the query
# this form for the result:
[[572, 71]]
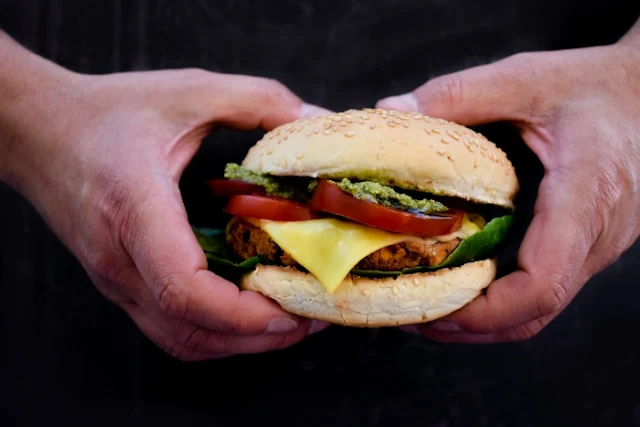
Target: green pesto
[[387, 196], [272, 185]]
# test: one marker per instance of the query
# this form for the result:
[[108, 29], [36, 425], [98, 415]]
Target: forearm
[[30, 89]]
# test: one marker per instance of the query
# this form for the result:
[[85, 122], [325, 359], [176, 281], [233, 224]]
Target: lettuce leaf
[[476, 247], [479, 246], [213, 244]]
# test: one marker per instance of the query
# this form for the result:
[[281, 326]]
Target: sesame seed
[[366, 292], [289, 127], [300, 127], [327, 125], [416, 282], [308, 133], [337, 119], [335, 128], [276, 162], [427, 131], [372, 126], [476, 164], [350, 134], [405, 124], [269, 152], [332, 116], [450, 158], [440, 152], [434, 130], [459, 132], [442, 121], [343, 124], [366, 117], [395, 290], [285, 137], [390, 123], [392, 113], [396, 121], [299, 156], [349, 117], [470, 148], [360, 122], [316, 130], [445, 141], [383, 116], [326, 132]]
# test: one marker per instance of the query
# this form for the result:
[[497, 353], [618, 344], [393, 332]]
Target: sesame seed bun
[[406, 150], [366, 302]]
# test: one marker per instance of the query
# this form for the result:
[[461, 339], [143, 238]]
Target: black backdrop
[[72, 358]]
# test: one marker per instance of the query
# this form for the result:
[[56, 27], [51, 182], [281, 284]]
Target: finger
[[162, 245], [551, 256], [509, 89], [188, 342], [517, 333], [246, 102], [164, 340]]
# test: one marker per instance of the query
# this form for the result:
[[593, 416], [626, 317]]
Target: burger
[[365, 218]]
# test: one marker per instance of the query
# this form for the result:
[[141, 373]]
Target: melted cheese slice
[[330, 248]]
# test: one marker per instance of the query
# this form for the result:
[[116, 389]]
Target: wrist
[[34, 95]]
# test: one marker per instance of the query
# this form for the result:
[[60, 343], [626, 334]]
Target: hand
[[578, 111], [101, 157]]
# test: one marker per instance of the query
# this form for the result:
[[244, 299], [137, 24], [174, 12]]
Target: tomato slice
[[328, 197], [229, 187], [271, 208]]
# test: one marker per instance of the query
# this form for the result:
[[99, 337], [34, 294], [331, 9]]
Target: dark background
[[71, 358]]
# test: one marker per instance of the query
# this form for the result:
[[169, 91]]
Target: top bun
[[406, 150]]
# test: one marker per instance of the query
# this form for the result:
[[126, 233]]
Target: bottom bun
[[367, 302]]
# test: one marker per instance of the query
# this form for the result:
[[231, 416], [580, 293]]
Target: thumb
[[509, 89]]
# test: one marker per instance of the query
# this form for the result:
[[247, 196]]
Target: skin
[[100, 158], [578, 111]]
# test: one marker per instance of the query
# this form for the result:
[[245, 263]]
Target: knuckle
[[527, 331], [447, 90], [173, 298], [553, 296], [272, 91], [530, 69]]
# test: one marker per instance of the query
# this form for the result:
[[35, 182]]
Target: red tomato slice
[[229, 187], [271, 208], [328, 197]]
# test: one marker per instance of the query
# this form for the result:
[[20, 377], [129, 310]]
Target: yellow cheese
[[330, 248], [471, 224]]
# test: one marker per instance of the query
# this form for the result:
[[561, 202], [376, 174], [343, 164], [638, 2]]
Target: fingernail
[[309, 110], [445, 326], [410, 329], [281, 326], [406, 102], [317, 326]]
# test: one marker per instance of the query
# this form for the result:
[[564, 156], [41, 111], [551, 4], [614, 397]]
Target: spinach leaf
[[479, 246]]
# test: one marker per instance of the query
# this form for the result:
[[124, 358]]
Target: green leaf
[[479, 246], [213, 244], [476, 247]]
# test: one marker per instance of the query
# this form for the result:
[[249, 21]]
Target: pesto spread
[[272, 185], [387, 196]]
